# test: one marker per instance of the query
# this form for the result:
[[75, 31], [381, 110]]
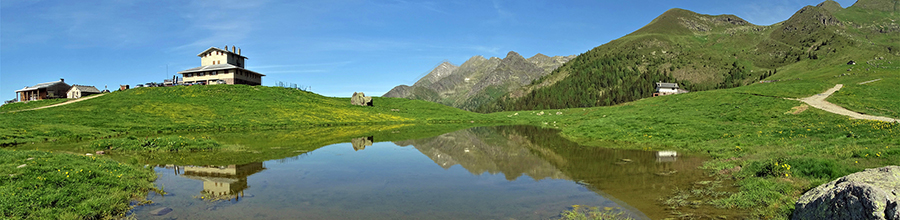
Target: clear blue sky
[[335, 46]]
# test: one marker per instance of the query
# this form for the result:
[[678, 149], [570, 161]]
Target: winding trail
[[60, 104], [818, 101]]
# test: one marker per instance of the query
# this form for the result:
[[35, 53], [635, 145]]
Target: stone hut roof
[[42, 85], [667, 85], [84, 88]]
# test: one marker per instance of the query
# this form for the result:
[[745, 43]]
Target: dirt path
[[59, 104], [870, 81], [818, 101]]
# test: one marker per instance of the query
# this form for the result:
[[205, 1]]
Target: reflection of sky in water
[[382, 181]]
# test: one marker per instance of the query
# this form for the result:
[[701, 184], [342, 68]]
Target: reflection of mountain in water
[[638, 179], [481, 150], [223, 182]]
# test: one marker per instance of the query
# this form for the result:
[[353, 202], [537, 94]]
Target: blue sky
[[336, 47]]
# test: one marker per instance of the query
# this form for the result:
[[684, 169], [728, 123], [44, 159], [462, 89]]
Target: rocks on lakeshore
[[161, 211], [870, 194], [361, 99]]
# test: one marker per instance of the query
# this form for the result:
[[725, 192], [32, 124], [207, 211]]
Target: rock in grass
[[23, 165], [870, 194], [161, 211], [361, 99]]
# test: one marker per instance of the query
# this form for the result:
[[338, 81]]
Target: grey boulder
[[361, 99], [870, 194]]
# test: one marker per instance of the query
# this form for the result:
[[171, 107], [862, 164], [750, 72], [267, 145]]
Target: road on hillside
[[818, 101], [59, 104]]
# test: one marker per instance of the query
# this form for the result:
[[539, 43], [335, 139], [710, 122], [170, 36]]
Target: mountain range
[[478, 80], [700, 52]]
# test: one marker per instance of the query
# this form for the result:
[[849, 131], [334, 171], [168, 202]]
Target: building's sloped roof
[[666, 85], [215, 67], [41, 86], [84, 88], [217, 49]]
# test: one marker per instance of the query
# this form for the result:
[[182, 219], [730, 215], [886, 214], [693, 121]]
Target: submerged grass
[[593, 213], [158, 144]]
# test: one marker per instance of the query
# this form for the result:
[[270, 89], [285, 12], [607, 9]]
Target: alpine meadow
[[759, 120]]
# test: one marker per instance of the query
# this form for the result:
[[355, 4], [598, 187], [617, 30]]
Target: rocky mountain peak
[[539, 58], [478, 80], [513, 55], [440, 71], [830, 5], [476, 58]]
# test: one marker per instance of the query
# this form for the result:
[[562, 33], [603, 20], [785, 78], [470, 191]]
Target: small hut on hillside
[[41, 91], [667, 89], [78, 91]]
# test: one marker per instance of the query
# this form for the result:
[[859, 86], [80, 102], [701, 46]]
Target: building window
[[201, 74], [189, 75], [214, 73]]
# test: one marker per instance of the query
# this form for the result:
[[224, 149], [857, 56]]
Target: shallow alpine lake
[[507, 172]]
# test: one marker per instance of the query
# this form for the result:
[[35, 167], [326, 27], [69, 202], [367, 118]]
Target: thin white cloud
[[503, 15], [427, 5], [357, 44], [486, 49], [294, 71], [75, 25], [219, 22], [327, 64]]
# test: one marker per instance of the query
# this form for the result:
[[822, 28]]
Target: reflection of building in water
[[666, 156], [223, 182], [361, 143]]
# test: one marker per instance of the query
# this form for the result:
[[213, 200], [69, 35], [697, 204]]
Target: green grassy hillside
[[703, 52], [170, 109], [744, 134]]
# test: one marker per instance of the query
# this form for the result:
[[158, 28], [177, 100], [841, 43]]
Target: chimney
[[232, 49], [62, 80], [239, 51]]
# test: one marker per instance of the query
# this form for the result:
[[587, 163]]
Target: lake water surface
[[511, 172]]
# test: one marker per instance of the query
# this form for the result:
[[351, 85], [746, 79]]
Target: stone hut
[[667, 89], [78, 91], [41, 91]]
